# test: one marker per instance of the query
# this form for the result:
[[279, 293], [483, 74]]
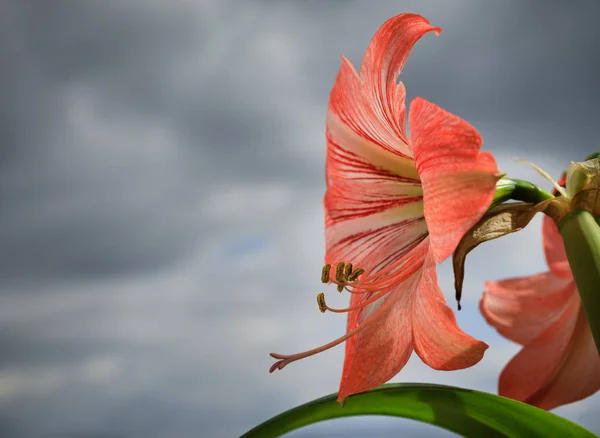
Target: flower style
[[559, 362], [394, 208]]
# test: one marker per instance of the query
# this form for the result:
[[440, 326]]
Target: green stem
[[581, 237], [519, 190]]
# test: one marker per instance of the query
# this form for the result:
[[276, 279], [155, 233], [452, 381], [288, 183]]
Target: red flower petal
[[579, 375], [367, 113], [373, 205], [381, 350], [417, 318], [383, 62], [356, 125], [371, 234], [554, 249], [537, 364], [438, 340], [459, 182], [373, 202], [522, 308], [559, 362]]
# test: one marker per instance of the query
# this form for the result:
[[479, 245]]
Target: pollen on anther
[[321, 302], [354, 275], [340, 287], [339, 272], [347, 270], [325, 273]]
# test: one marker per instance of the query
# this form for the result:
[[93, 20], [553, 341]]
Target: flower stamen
[[344, 274], [321, 302], [381, 286], [347, 271], [339, 272], [323, 305], [285, 359], [353, 276], [325, 273]]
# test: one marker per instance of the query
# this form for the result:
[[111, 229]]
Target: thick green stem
[[581, 237], [519, 190]]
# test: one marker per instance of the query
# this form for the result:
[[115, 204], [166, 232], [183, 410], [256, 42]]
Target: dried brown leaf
[[499, 221]]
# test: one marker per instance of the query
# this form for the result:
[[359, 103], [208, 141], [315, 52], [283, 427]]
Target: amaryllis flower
[[559, 362], [394, 207]]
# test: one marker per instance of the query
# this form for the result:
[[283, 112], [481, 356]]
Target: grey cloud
[[162, 172]]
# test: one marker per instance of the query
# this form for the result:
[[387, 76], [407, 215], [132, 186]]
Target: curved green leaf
[[469, 413]]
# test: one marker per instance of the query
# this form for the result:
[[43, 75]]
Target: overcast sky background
[[161, 177]]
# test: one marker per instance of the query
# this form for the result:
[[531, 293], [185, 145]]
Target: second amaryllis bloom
[[559, 362], [394, 207]]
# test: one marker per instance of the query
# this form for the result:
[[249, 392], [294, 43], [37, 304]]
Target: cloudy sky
[[161, 178]]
